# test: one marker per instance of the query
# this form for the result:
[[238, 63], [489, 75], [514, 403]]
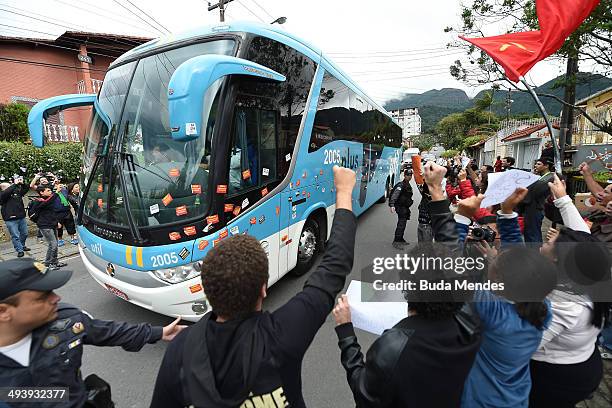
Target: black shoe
[[20, 254], [52, 267], [60, 264], [25, 248]]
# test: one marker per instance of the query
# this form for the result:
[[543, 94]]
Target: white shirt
[[20, 351], [570, 338]]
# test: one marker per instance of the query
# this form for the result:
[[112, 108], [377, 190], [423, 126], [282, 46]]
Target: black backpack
[[33, 210]]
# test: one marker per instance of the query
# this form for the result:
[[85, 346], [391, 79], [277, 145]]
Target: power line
[[250, 11], [142, 19], [36, 14], [387, 53], [402, 60], [355, 57], [148, 15], [124, 19], [420, 68], [402, 78], [132, 44], [264, 10]]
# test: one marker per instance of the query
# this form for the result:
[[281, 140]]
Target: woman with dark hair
[[74, 190], [512, 327], [567, 367]]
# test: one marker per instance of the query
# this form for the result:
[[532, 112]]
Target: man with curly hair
[[239, 355]]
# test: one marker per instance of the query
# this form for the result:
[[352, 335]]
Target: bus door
[[253, 174]]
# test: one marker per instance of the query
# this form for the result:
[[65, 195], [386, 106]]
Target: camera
[[483, 234]]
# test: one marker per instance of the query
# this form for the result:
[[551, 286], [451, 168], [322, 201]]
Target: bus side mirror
[[190, 82], [42, 109]]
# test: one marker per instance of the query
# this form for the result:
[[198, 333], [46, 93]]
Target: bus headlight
[[177, 274]]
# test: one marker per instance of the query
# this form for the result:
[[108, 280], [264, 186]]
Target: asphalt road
[[132, 375]]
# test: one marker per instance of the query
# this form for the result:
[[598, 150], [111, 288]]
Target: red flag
[[517, 53]]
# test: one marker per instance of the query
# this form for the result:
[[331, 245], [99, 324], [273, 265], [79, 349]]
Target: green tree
[[14, 122], [592, 41], [423, 142], [476, 121]]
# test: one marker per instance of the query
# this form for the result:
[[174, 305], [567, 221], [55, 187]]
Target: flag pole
[[548, 125]]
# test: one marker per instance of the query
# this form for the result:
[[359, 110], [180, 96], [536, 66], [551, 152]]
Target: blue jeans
[[605, 338], [533, 227], [19, 232]]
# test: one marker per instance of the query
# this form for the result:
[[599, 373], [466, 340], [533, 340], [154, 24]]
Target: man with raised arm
[[239, 355]]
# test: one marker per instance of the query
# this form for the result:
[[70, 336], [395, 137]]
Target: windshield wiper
[[133, 228], [102, 152]]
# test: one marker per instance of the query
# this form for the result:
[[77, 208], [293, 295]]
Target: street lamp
[[280, 20]]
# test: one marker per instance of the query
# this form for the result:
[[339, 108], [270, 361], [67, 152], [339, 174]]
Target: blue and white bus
[[225, 130]]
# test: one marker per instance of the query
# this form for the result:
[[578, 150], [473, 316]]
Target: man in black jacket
[[239, 355], [532, 207], [41, 340], [13, 213], [46, 221], [424, 359], [400, 202]]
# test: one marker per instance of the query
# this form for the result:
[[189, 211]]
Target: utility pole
[[508, 104], [569, 96], [221, 5]]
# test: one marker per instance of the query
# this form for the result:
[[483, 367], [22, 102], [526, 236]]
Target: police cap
[[27, 274]]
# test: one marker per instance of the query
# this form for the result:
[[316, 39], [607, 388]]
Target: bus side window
[[332, 119]]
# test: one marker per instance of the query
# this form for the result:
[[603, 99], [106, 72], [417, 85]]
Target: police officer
[[41, 340], [400, 202]]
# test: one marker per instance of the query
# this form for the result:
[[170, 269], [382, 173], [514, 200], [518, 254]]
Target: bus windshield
[[165, 181]]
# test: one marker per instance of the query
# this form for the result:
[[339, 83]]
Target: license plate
[[117, 292]]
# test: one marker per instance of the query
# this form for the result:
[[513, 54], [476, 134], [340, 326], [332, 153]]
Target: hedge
[[64, 160]]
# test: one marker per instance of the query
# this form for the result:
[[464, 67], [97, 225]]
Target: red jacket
[[452, 192]]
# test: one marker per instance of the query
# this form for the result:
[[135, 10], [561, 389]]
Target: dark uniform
[[57, 350], [401, 199], [57, 347]]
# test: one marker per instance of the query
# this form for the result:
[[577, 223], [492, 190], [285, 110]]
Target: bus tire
[[309, 247], [383, 199]]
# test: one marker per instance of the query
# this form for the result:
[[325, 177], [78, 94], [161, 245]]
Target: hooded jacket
[[256, 360]]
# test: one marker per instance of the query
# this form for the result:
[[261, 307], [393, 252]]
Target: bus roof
[[266, 30]]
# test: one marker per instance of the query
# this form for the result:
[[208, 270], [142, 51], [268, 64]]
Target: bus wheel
[[383, 199], [309, 247]]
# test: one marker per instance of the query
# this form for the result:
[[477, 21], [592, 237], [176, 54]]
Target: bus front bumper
[[185, 299]]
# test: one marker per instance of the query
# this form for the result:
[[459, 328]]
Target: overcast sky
[[389, 48]]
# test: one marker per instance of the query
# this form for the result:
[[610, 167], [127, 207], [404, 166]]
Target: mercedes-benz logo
[[110, 270]]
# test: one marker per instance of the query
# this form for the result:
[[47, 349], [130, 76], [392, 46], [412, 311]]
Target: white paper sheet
[[373, 317], [502, 186], [464, 162]]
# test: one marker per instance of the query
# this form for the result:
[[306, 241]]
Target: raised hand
[[507, 207]]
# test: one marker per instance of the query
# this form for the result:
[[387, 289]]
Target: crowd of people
[[53, 207], [485, 349]]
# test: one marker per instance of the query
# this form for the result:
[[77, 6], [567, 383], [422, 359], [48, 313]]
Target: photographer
[[13, 213], [41, 340], [240, 355]]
